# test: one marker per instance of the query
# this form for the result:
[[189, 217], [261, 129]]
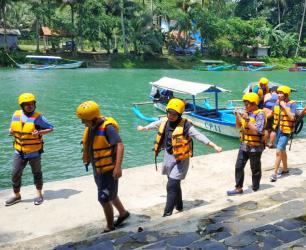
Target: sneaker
[[38, 200], [13, 200], [273, 178], [284, 172]]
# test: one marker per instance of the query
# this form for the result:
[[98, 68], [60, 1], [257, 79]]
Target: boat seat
[[208, 113]]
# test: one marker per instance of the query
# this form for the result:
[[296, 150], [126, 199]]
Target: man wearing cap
[[28, 127], [251, 124], [175, 136]]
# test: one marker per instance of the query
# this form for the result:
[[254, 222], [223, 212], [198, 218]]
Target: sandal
[[120, 220], [38, 200], [234, 192], [107, 230], [11, 201], [284, 172]]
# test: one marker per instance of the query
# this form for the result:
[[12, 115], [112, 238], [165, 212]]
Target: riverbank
[[71, 213], [165, 61]]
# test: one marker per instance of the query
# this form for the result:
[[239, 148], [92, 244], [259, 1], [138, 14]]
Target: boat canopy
[[186, 87], [270, 85], [43, 57], [253, 62]]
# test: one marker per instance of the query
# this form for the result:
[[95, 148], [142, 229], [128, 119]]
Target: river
[[59, 92]]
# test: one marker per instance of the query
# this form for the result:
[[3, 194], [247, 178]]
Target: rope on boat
[[11, 58]]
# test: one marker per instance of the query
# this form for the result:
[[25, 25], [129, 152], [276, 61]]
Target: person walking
[[28, 128], [103, 149], [175, 136], [284, 121], [251, 124]]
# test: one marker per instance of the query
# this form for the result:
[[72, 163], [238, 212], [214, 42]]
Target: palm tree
[[301, 28]]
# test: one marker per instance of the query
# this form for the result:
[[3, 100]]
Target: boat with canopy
[[48, 62], [206, 116]]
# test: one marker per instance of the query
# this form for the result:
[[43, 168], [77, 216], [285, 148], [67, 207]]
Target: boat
[[298, 67], [254, 66], [213, 65], [48, 62], [205, 116]]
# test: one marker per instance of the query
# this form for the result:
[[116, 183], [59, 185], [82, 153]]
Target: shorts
[[281, 141], [107, 186]]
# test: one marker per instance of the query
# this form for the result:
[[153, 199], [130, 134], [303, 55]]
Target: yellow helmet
[[251, 97], [284, 89], [26, 97], [263, 80], [176, 104], [88, 110]]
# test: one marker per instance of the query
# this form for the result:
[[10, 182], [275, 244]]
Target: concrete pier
[[72, 218]]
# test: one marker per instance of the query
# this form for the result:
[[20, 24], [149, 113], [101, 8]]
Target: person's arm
[[152, 126], [117, 172], [257, 127], [194, 133], [291, 114], [44, 127], [238, 118]]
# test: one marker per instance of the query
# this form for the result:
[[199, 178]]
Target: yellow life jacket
[[282, 120], [25, 142], [182, 145], [261, 91], [246, 136], [102, 151]]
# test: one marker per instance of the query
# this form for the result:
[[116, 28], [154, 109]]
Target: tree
[[301, 29]]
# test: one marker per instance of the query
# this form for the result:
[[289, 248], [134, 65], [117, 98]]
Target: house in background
[[11, 38], [259, 51]]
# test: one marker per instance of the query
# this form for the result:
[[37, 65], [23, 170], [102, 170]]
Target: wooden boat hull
[[207, 123], [72, 65]]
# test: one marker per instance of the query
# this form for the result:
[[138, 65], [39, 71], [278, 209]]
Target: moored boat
[[213, 65], [254, 66], [215, 119], [48, 62], [298, 67]]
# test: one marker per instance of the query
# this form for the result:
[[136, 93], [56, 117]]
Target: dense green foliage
[[227, 27]]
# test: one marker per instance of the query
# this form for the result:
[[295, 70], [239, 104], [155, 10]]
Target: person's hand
[[236, 111], [282, 104], [140, 128], [117, 173], [218, 149], [35, 132], [245, 115]]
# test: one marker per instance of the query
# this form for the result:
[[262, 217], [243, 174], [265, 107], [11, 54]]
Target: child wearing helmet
[[103, 149], [284, 121], [28, 128], [175, 135], [251, 124]]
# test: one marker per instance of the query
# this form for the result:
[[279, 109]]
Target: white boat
[[48, 62], [215, 119]]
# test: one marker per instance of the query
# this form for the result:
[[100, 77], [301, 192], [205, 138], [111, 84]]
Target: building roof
[[13, 32], [46, 31]]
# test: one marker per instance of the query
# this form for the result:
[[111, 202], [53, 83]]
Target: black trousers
[[19, 164], [255, 162], [174, 196]]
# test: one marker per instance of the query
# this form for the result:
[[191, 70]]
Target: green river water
[[59, 92]]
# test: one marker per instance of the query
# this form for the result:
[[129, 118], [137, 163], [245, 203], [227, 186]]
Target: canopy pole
[[194, 103], [216, 101]]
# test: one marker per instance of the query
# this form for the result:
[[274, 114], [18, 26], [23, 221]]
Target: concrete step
[[267, 223]]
